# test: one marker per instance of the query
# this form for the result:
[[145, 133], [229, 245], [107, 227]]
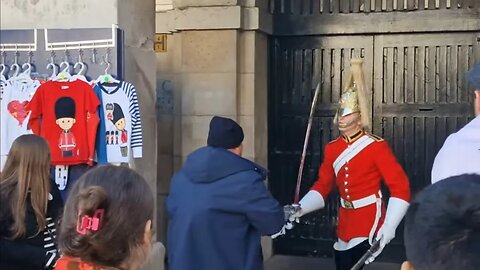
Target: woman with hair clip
[[107, 221], [30, 204]]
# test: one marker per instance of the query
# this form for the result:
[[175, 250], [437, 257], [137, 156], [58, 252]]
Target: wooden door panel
[[421, 94]]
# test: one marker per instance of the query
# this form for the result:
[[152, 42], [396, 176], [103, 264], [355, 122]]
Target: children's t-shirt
[[64, 113], [122, 122], [13, 107]]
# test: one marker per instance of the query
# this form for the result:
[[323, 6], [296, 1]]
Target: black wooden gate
[[418, 96]]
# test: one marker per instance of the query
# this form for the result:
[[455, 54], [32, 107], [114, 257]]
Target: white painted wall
[[27, 14]]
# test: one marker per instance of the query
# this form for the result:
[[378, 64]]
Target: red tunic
[[124, 136], [360, 177], [66, 141]]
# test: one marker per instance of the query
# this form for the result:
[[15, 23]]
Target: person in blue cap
[[461, 151], [219, 206]]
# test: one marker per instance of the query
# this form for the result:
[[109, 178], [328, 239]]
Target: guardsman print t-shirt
[[121, 123], [64, 113]]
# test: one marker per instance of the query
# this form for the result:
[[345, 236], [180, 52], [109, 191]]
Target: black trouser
[[346, 259]]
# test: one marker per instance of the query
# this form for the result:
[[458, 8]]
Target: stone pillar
[[216, 64], [136, 19]]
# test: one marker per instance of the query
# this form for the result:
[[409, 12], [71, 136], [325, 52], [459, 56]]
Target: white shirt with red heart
[[14, 121]]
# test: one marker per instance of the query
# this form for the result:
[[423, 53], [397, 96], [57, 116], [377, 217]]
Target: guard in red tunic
[[356, 163], [65, 119]]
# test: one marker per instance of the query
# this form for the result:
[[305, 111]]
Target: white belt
[[360, 202]]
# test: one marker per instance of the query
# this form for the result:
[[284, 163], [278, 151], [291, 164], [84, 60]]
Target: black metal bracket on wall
[[40, 46]]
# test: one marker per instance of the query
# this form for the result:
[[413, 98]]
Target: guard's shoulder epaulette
[[375, 137]]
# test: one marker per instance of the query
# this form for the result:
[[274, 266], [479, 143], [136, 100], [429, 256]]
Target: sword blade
[[305, 145], [368, 254]]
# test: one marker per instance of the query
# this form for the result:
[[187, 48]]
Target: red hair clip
[[90, 223]]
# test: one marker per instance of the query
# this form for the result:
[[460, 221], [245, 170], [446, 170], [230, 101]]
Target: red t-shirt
[[64, 113]]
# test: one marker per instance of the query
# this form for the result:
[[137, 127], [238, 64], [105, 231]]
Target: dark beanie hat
[[225, 133], [65, 108], [117, 113], [473, 76]]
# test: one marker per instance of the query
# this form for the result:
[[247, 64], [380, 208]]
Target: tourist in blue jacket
[[219, 206]]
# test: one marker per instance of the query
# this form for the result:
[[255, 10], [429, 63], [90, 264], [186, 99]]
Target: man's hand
[[292, 212]]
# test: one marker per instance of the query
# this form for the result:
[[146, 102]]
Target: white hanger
[[80, 75], [64, 75], [2, 73], [3, 67], [24, 77], [52, 66], [16, 66], [106, 78]]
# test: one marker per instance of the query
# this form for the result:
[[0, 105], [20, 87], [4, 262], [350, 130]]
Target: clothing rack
[[93, 45], [20, 47], [80, 45]]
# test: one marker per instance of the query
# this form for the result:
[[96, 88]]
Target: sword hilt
[[290, 210]]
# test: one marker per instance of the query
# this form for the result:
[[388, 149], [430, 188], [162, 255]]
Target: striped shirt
[[121, 123]]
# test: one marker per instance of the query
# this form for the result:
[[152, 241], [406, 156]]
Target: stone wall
[[216, 64]]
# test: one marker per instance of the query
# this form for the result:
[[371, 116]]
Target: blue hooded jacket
[[219, 208]]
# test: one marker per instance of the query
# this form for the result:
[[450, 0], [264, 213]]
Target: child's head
[[26, 172], [442, 226], [118, 237], [28, 153]]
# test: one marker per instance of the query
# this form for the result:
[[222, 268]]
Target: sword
[[305, 144], [368, 254]]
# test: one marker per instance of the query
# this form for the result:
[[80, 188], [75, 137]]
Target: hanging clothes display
[[85, 122], [122, 125], [15, 96], [64, 113]]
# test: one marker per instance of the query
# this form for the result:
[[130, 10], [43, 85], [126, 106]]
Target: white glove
[[312, 201], [395, 211]]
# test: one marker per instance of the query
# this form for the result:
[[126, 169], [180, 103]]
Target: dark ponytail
[[88, 201], [127, 204]]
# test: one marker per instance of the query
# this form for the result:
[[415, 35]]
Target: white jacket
[[460, 154]]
